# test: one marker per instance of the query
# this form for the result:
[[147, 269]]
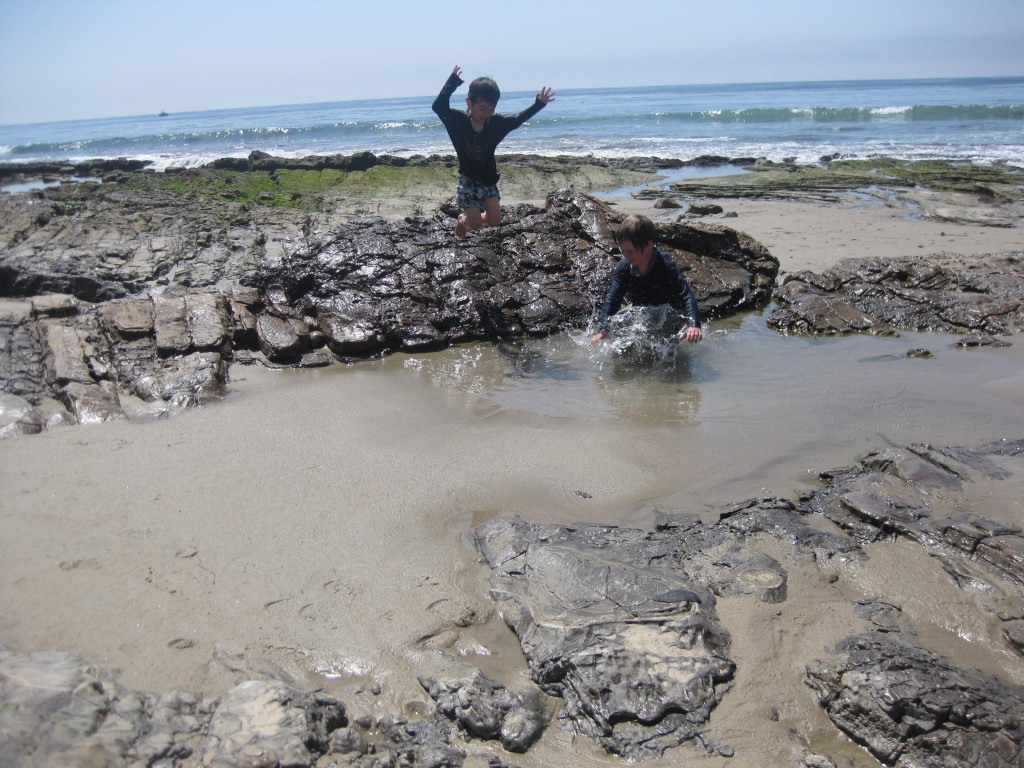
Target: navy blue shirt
[[663, 284], [476, 150]]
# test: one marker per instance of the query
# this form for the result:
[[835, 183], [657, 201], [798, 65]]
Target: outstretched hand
[[545, 95], [693, 334], [457, 71]]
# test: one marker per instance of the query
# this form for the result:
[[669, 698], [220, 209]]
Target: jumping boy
[[648, 276], [475, 134]]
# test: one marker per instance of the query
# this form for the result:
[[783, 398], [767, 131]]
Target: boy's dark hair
[[637, 229], [484, 89]]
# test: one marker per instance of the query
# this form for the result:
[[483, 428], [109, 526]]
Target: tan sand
[[811, 235], [311, 523]]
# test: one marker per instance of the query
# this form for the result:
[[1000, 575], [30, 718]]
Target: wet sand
[[311, 523]]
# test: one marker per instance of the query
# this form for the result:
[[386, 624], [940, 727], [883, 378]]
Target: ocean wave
[[807, 114], [775, 121]]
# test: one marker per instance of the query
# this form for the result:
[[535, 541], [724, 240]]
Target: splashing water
[[646, 334]]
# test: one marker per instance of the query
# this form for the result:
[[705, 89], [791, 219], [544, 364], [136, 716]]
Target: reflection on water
[[637, 375], [18, 187], [669, 176], [748, 411]]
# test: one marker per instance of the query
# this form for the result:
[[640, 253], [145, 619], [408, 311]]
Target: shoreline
[[785, 206], [954, 195]]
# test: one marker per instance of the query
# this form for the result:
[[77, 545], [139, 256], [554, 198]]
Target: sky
[[79, 59]]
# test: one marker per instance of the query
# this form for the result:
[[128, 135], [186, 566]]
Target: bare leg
[[492, 212], [469, 221]]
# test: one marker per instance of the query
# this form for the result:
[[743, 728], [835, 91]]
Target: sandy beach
[[311, 524]]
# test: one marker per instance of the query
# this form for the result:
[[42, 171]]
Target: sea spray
[[646, 334]]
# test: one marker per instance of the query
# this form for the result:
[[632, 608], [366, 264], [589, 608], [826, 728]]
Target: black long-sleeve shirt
[[476, 150], [664, 283]]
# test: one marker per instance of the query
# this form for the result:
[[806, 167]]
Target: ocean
[[979, 120]]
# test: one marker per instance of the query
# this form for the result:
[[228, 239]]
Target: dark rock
[[907, 706], [271, 723], [280, 339], [601, 628], [980, 297], [580, 598], [981, 340], [361, 288], [923, 354], [1014, 632], [488, 710], [914, 492], [170, 327], [704, 209], [54, 305], [127, 318], [347, 335], [59, 710], [167, 348], [879, 612]]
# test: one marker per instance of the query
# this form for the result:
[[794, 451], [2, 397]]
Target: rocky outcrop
[[167, 329], [909, 707], [410, 286], [620, 624], [617, 624], [942, 190], [485, 709], [620, 627], [916, 492], [104, 241], [60, 710], [976, 297]]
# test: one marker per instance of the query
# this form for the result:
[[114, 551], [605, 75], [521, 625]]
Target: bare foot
[[460, 228]]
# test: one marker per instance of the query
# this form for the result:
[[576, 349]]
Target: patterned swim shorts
[[470, 194]]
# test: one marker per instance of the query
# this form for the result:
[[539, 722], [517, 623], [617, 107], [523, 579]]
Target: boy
[[475, 135], [647, 276]]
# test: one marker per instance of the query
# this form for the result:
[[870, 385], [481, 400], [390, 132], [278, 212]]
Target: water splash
[[646, 334]]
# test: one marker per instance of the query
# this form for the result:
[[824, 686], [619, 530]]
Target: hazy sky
[[69, 59]]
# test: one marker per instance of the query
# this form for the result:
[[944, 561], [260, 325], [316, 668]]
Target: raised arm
[[440, 105]]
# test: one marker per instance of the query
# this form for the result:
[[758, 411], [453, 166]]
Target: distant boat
[[163, 114]]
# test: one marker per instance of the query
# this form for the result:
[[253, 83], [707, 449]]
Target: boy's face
[[480, 110], [638, 257]]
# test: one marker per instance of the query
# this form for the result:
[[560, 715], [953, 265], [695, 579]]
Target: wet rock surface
[[147, 335], [916, 492], [613, 623], [488, 710], [621, 624], [907, 706], [620, 628], [979, 297], [60, 710]]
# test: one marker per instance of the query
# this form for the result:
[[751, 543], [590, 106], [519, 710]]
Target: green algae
[[300, 189], [396, 189]]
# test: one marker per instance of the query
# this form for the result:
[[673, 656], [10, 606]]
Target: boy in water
[[648, 276], [475, 135]]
